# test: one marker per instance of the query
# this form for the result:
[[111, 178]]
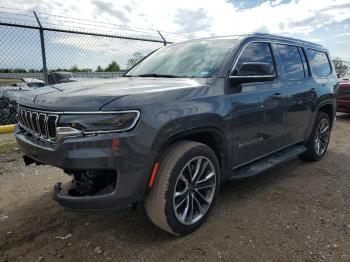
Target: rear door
[[259, 109], [301, 90]]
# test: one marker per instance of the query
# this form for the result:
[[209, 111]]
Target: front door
[[259, 109]]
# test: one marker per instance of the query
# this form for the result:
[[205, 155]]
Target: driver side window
[[255, 53]]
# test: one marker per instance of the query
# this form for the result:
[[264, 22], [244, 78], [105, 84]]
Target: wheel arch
[[329, 109], [213, 137], [327, 106]]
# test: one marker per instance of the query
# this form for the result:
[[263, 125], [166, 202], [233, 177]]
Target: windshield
[[200, 58]]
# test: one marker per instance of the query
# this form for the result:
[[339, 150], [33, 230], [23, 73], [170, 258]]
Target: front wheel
[[319, 139], [185, 188]]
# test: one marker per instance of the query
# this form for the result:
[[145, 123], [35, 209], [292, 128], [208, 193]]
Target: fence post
[[161, 36], [43, 53]]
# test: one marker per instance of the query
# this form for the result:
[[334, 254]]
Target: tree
[[99, 69], [136, 57], [112, 67], [19, 70], [76, 69], [339, 66]]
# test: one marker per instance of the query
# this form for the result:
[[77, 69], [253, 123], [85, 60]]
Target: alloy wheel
[[194, 190], [322, 137]]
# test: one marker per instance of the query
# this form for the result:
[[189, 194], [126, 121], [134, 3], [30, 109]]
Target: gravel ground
[[297, 212]]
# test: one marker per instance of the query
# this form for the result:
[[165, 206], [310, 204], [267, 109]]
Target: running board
[[268, 162]]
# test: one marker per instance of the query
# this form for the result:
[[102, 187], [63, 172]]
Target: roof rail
[[285, 38]]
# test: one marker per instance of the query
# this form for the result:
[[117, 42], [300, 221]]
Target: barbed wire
[[51, 19]]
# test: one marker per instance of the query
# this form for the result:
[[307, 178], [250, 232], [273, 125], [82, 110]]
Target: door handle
[[278, 96]]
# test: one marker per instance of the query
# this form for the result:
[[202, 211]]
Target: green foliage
[[136, 57], [14, 70], [75, 69], [112, 67]]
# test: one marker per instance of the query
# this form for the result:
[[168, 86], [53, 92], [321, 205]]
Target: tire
[[313, 153], [178, 165]]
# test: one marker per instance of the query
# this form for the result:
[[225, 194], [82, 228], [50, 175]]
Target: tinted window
[[320, 63], [255, 52], [291, 61]]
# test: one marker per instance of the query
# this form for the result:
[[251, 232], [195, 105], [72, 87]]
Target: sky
[[323, 21]]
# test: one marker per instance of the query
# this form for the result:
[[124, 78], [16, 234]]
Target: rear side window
[[320, 63], [291, 61], [256, 52]]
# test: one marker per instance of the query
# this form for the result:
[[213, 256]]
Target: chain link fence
[[36, 45]]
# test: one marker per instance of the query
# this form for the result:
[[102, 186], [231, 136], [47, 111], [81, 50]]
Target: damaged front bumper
[[108, 170]]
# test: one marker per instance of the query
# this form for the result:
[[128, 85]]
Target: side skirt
[[268, 162]]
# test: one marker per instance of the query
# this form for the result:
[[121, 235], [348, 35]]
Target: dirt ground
[[297, 212]]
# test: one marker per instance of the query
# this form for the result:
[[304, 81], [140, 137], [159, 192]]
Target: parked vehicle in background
[[343, 93], [9, 96], [61, 77], [186, 118]]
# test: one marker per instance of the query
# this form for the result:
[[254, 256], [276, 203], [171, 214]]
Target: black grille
[[51, 126], [40, 124]]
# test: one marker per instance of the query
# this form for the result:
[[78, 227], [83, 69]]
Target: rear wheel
[[185, 188], [319, 139]]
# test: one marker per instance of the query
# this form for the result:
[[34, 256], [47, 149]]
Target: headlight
[[99, 122]]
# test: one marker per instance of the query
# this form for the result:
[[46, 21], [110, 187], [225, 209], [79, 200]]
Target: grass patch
[[7, 81], [8, 146]]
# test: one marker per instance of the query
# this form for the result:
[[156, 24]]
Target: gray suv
[[183, 120]]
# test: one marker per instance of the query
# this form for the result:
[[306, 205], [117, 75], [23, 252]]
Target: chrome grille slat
[[46, 129], [20, 118], [40, 124], [30, 121], [51, 126], [26, 119], [42, 120], [35, 118], [23, 118]]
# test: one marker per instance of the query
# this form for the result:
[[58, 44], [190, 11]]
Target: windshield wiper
[[157, 75]]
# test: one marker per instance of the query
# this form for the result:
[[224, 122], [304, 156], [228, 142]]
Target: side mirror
[[254, 72], [338, 75]]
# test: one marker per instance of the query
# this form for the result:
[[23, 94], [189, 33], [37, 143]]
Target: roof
[[284, 38], [267, 37]]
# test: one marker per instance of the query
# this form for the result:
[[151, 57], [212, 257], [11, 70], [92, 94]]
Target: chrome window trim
[[270, 42], [253, 76]]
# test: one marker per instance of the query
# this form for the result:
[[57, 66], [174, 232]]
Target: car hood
[[92, 95]]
